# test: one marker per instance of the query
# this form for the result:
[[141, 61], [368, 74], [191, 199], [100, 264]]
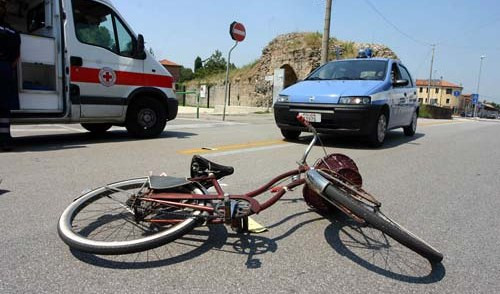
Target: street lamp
[[478, 83]]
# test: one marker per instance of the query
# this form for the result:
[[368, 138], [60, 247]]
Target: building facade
[[441, 93], [173, 68]]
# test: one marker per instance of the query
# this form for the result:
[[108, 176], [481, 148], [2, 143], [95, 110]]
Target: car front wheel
[[379, 130], [290, 135]]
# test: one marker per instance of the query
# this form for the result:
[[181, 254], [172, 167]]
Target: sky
[[463, 31]]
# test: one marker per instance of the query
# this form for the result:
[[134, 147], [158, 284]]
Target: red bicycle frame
[[174, 199]]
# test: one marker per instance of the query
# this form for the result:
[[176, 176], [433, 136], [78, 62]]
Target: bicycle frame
[[172, 199]]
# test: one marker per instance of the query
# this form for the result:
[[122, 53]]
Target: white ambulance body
[[81, 63]]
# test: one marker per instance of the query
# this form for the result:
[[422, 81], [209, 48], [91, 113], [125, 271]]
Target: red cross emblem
[[107, 77]]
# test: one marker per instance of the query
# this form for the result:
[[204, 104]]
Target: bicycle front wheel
[[344, 195], [103, 221]]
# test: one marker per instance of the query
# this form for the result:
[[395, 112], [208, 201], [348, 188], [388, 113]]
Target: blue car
[[364, 96]]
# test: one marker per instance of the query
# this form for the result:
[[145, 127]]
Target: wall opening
[[290, 76]]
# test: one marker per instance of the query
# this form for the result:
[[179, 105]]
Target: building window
[[421, 89], [437, 90], [449, 91], [420, 100], [447, 101], [427, 90]]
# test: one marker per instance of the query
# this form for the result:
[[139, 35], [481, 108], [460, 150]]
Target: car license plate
[[312, 117]]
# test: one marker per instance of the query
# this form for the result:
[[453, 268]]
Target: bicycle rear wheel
[[103, 221], [342, 194]]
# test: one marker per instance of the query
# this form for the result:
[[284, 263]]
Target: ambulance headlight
[[355, 100], [283, 98]]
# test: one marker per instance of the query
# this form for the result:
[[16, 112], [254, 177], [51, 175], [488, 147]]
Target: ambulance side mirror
[[140, 51]]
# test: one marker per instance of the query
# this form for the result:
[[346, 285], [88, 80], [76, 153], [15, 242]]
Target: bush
[[436, 112], [424, 112]]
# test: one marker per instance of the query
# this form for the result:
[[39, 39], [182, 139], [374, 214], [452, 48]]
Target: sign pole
[[226, 92], [238, 33]]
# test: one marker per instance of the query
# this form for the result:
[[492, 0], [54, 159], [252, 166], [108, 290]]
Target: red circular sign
[[237, 31]]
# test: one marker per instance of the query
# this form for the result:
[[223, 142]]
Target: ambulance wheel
[[97, 128], [146, 118]]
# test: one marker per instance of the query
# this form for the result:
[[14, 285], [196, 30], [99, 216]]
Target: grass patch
[[313, 39]]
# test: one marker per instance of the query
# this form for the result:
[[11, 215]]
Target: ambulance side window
[[97, 25], [125, 40], [94, 24]]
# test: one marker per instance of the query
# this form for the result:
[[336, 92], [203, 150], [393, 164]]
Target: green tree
[[198, 64], [216, 63], [186, 75]]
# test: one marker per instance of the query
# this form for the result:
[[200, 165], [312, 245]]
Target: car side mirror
[[400, 83], [140, 51]]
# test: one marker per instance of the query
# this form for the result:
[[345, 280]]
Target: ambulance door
[[103, 66]]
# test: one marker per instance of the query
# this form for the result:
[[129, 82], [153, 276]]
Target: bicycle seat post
[[227, 209]]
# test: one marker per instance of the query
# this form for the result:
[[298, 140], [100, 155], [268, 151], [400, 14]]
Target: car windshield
[[351, 70]]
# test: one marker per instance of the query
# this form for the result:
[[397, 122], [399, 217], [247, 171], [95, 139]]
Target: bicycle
[[144, 213]]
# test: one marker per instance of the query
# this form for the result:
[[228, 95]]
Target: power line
[[394, 26], [417, 72]]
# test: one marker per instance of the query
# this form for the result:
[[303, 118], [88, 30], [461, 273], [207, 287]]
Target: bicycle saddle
[[203, 167]]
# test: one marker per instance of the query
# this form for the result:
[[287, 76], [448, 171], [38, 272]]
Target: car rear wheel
[[412, 128], [290, 135]]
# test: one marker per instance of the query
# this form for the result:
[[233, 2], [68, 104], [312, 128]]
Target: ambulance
[[82, 63]]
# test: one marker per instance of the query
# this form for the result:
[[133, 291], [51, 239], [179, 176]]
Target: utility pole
[[326, 32], [478, 82], [430, 75]]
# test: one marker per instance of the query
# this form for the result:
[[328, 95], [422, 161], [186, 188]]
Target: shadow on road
[[190, 246], [202, 240], [393, 139], [367, 247], [2, 192], [81, 140], [378, 253]]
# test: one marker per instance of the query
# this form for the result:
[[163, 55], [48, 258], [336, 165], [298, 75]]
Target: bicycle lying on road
[[144, 213]]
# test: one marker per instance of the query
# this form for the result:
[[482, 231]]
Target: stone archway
[[290, 76]]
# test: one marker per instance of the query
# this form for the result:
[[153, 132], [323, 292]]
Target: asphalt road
[[443, 184]]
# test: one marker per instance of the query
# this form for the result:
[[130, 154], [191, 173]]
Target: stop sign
[[237, 31]]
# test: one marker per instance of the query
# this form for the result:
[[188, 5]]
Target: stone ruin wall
[[291, 51]]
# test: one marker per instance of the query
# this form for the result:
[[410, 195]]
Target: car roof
[[373, 58]]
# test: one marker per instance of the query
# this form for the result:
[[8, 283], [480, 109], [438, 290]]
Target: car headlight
[[283, 98], [355, 100]]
